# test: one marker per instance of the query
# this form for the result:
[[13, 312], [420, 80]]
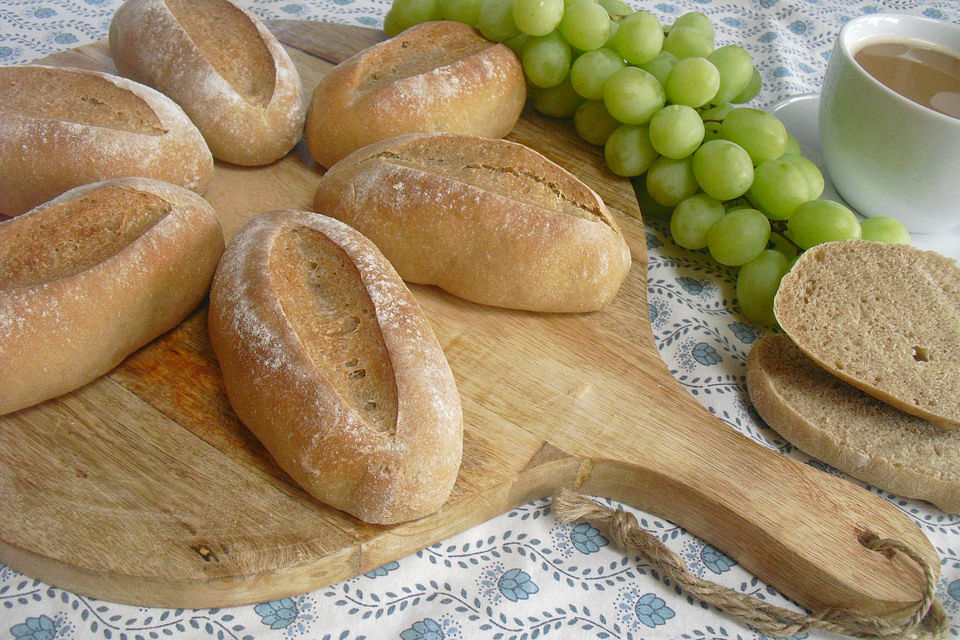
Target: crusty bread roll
[[330, 362], [231, 75], [484, 219], [850, 430], [90, 277], [883, 317], [436, 76], [62, 128]]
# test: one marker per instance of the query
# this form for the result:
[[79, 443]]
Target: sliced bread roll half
[[61, 128], [850, 430], [436, 76], [329, 361], [485, 219], [218, 62], [883, 317], [92, 276]]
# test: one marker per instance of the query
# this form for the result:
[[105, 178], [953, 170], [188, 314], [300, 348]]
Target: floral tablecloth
[[521, 575]]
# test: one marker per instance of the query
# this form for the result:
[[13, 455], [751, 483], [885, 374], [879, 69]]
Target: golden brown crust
[[93, 275], [487, 220], [227, 71], [885, 318], [850, 430], [436, 76], [62, 128], [311, 325]]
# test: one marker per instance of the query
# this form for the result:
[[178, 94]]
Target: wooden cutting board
[[142, 487]]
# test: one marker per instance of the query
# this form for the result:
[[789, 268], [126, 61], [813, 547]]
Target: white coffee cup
[[888, 155]]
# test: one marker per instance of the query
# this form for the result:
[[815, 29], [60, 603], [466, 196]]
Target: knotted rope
[[927, 622]]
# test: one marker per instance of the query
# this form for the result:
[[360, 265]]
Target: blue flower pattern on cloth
[[278, 613], [516, 584], [522, 575], [426, 629], [586, 538]]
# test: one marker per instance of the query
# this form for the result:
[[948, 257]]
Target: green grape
[[819, 221], [404, 14], [537, 17], [585, 25], [670, 181], [628, 151], [609, 44], [778, 187], [594, 123], [632, 95], [723, 169], [517, 42], [696, 20], [639, 37], [465, 11], [752, 90], [757, 284], [759, 132], [737, 203], [616, 9], [738, 237], [560, 101], [692, 219], [591, 70], [884, 229], [788, 249], [660, 66], [546, 60], [810, 171], [496, 20], [688, 42], [793, 147], [715, 114], [676, 131], [736, 69], [692, 81]]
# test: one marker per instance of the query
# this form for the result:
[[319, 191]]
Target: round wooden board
[[143, 487]]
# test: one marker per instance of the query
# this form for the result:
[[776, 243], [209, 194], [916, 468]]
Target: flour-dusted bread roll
[[883, 317], [329, 361], [484, 219], [92, 276], [231, 75], [62, 128], [436, 76], [850, 430]]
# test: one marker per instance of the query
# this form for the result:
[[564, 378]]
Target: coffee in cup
[[890, 119]]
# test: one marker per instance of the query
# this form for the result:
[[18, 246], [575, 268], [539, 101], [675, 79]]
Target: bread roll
[[220, 64], [850, 430], [883, 317], [487, 220], [92, 276], [436, 76], [62, 128], [330, 362]]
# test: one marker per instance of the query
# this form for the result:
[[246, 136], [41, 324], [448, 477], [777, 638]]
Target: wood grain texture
[[143, 487]]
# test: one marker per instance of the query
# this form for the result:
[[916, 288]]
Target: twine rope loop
[[928, 621]]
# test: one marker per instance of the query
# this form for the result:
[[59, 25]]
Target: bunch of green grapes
[[659, 100]]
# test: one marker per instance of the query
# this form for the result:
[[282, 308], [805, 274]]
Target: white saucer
[[799, 115]]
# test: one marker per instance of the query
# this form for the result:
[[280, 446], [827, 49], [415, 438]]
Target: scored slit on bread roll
[[884, 318], [93, 275], [61, 128], [436, 76], [487, 220], [329, 361], [227, 71], [850, 430]]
